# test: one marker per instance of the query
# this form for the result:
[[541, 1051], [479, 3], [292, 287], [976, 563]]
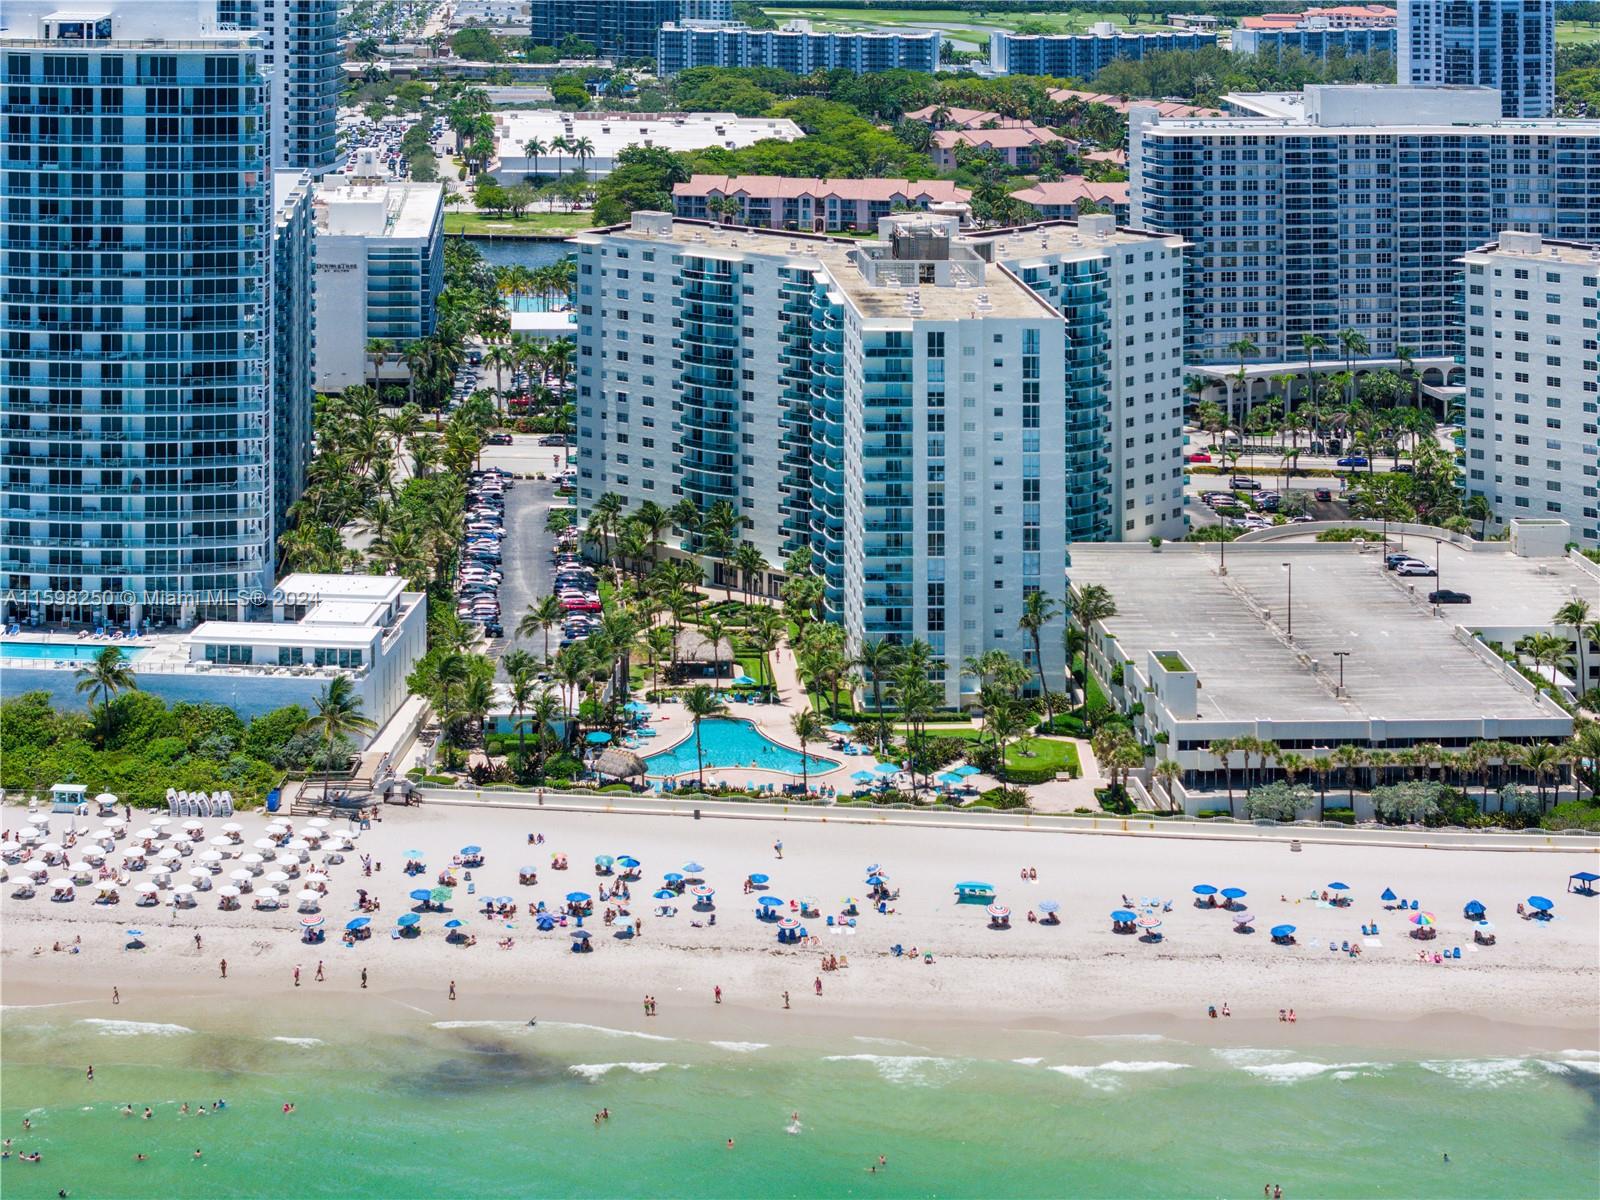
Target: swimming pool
[[527, 303], [726, 743], [64, 651]]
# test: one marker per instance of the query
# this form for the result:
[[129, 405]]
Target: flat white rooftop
[[394, 209], [614, 132], [281, 633], [364, 614], [309, 587], [1404, 664]]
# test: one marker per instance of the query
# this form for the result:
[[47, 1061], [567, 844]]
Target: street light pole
[[1341, 655], [1289, 568]]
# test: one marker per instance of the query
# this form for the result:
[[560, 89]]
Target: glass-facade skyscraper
[[1506, 44], [136, 275], [300, 50]]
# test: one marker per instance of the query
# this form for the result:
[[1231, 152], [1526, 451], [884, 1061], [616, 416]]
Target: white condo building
[[1350, 206], [936, 416], [1509, 45], [301, 54], [1533, 380], [380, 267]]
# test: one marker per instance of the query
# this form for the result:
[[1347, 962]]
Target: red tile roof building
[[809, 205]]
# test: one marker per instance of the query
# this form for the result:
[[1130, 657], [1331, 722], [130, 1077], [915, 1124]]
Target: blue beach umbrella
[[673, 877], [1473, 907], [841, 727], [666, 894], [874, 869], [603, 860], [580, 935], [1282, 930], [1049, 906], [597, 737], [504, 900], [134, 932], [1234, 893], [769, 902], [629, 861], [577, 897], [407, 920], [454, 923], [1338, 887], [1541, 903], [874, 880], [421, 894], [413, 853], [469, 850], [358, 923], [863, 777], [1204, 889], [1388, 895], [1123, 914], [692, 868], [758, 878]]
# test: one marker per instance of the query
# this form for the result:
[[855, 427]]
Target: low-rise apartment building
[[809, 205]]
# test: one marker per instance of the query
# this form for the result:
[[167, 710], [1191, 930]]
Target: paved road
[[525, 555]]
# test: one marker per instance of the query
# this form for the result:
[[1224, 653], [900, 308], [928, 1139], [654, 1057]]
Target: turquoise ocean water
[[497, 1109]]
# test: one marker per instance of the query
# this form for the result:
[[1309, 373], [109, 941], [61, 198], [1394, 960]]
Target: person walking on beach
[[718, 992], [786, 999], [320, 977], [363, 977], [91, 1072], [197, 941], [777, 847], [452, 989], [116, 997], [224, 966], [297, 975], [817, 983]]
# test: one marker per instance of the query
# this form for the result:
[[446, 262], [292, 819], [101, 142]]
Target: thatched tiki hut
[[619, 763], [697, 657]]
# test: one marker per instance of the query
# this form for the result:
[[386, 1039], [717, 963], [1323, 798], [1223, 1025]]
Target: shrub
[[1004, 798], [1345, 816], [1409, 803], [1350, 535], [1115, 799], [1276, 802], [1573, 814]]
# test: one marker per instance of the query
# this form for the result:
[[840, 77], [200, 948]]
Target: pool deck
[[161, 651]]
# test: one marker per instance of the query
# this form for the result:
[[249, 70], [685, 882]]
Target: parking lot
[[525, 561]]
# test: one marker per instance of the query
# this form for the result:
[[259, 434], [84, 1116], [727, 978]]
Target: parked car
[[1446, 596], [1199, 456], [499, 439], [1414, 568], [1391, 561], [1353, 460], [1244, 484], [1406, 469], [1323, 494]]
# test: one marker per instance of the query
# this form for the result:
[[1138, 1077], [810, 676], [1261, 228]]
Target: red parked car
[[1200, 456]]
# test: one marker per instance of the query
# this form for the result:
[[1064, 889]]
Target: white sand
[[1538, 984]]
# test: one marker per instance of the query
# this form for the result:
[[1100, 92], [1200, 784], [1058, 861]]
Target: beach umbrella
[[597, 737], [863, 777], [673, 877], [580, 935], [251, 860], [264, 844], [471, 850], [310, 922], [235, 827], [134, 932], [268, 893], [578, 897], [144, 835], [221, 840], [1422, 919], [440, 895], [283, 860], [1122, 915], [702, 891], [769, 902], [758, 878], [230, 892], [1148, 921], [67, 883], [692, 868], [1474, 906], [1279, 931], [414, 854], [1049, 906], [118, 822], [1233, 893], [420, 894], [30, 835], [316, 823], [841, 727], [1338, 887], [628, 860], [241, 875], [160, 822], [874, 869], [1486, 926], [307, 896], [1204, 889], [1541, 903], [171, 852], [603, 860], [407, 920], [108, 885], [965, 770], [51, 848], [146, 888], [998, 910], [454, 923], [874, 880], [359, 923], [316, 877], [276, 877], [38, 818], [184, 889], [298, 844], [1388, 895], [665, 894], [1244, 918], [788, 923]]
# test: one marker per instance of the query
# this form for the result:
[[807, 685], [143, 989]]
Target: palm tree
[[1353, 343], [700, 703], [379, 351], [658, 646], [1244, 348], [1223, 749], [106, 674], [541, 617], [808, 728], [559, 146], [583, 149], [1311, 343], [1478, 508], [1089, 604], [765, 633], [1293, 766], [546, 711], [1574, 615], [1167, 772], [533, 148], [1349, 759], [748, 560], [338, 715], [1038, 610], [878, 658], [1544, 761], [524, 690]]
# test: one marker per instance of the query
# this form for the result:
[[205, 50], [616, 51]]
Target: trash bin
[[273, 798]]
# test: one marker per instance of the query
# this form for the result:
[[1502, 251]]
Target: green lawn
[[958, 25], [1033, 752], [524, 226], [1572, 33]]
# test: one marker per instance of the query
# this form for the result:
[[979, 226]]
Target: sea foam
[[1104, 1076], [1298, 1072], [299, 1041], [595, 1072], [1480, 1072], [740, 1047], [923, 1069], [111, 1028]]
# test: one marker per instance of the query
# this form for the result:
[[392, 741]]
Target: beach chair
[[1414, 906]]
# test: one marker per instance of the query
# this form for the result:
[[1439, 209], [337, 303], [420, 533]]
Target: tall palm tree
[[1544, 761], [878, 659], [1088, 604], [534, 149], [1349, 759], [337, 715], [1038, 610], [765, 633], [1353, 343], [524, 691], [583, 149], [1310, 343], [1167, 772], [545, 712], [1223, 750], [808, 727], [1574, 615], [542, 616], [748, 560], [700, 703], [559, 146], [379, 350], [1243, 348], [106, 674]]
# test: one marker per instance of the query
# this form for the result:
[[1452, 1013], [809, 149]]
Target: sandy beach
[[1534, 989]]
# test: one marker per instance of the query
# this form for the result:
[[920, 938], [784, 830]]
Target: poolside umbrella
[[440, 895], [1148, 921], [420, 894], [998, 911], [692, 868], [949, 778], [1541, 903], [1204, 889], [1049, 906], [597, 737], [360, 922], [1388, 895], [665, 894], [1422, 919], [470, 850], [965, 770], [310, 922], [634, 706], [758, 878], [1474, 907], [1233, 893], [887, 768], [1122, 915], [863, 777], [704, 892], [578, 897], [743, 681], [407, 920], [841, 727]]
